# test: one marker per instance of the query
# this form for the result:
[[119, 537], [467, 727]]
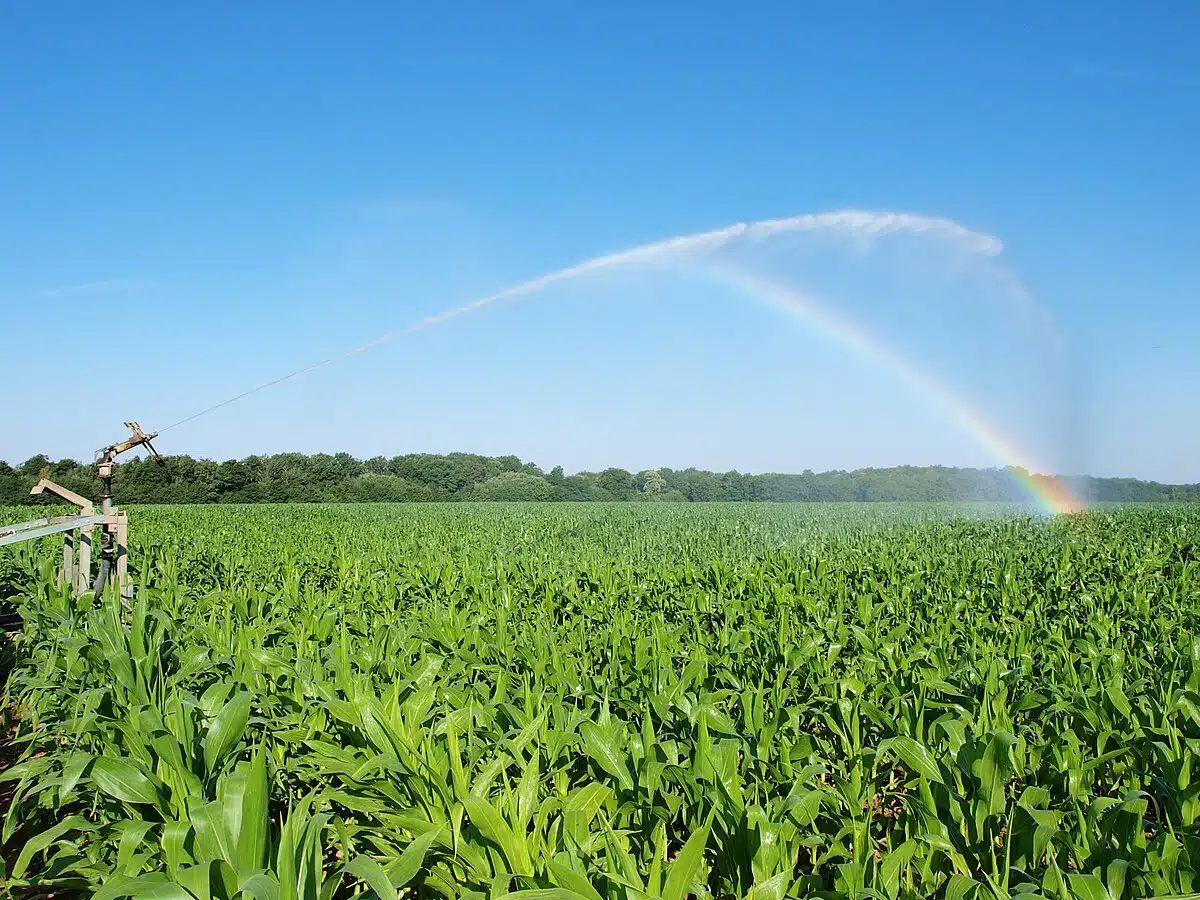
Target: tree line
[[428, 477]]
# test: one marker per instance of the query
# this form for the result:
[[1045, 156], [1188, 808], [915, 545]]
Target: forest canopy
[[428, 477]]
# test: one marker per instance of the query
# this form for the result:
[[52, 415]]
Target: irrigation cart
[[77, 529]]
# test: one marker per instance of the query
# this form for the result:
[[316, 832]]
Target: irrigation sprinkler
[[77, 529]]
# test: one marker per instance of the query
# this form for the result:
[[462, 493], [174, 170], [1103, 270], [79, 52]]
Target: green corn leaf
[[28, 768], [212, 699], [114, 884], [1121, 704], [1087, 887], [213, 840], [198, 880], [153, 886], [492, 826], [582, 805], [994, 769], [260, 887], [962, 887], [588, 800], [621, 866], [132, 835], [244, 802], [123, 780], [373, 875], [75, 768], [526, 794], [602, 746], [773, 888], [573, 881], [457, 772], [174, 840], [408, 865], [309, 868], [226, 730], [1117, 872], [40, 842], [916, 756], [686, 867], [893, 864], [253, 837]]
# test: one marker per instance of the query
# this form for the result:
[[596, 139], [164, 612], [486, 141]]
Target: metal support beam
[[36, 523], [27, 531]]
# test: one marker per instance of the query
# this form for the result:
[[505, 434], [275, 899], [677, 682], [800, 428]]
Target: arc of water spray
[[863, 225]]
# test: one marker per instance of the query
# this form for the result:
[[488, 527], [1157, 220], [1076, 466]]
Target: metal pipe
[[101, 577], [68, 523], [106, 490]]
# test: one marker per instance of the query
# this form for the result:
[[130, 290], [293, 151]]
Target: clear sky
[[196, 200]]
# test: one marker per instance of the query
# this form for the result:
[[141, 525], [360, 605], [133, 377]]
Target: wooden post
[[83, 574]]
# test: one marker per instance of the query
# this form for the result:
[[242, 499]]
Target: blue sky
[[231, 194]]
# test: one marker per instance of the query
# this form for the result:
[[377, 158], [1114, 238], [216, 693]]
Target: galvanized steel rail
[[36, 528]]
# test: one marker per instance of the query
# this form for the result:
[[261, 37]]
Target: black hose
[[101, 577]]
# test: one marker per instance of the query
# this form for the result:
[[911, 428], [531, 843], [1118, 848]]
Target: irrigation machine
[[77, 529]]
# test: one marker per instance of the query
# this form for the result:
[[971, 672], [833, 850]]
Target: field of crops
[[564, 702]]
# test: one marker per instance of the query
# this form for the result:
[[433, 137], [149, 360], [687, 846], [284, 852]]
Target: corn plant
[[596, 701]]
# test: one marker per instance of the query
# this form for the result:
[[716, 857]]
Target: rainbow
[[1047, 491]]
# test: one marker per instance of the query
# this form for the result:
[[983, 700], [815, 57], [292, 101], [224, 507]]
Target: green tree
[[651, 483], [513, 486], [33, 466], [295, 477], [617, 484]]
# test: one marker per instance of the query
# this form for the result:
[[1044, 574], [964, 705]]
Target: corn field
[[590, 701]]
